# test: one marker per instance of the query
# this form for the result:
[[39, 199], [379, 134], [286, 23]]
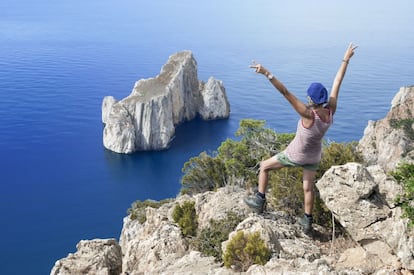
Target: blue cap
[[318, 93]]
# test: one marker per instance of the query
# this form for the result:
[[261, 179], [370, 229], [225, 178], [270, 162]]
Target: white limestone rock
[[107, 104], [153, 246], [119, 132], [146, 119], [385, 142], [217, 204], [359, 199], [215, 104], [92, 257]]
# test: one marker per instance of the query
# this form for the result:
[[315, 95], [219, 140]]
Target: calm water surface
[[58, 59]]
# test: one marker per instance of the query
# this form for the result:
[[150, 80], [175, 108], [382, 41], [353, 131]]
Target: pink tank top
[[306, 147]]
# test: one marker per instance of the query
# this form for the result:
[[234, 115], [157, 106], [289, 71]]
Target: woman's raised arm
[[333, 98], [298, 105]]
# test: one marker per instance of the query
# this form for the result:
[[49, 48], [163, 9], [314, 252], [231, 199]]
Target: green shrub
[[185, 216], [202, 173], [209, 239], [137, 209], [404, 174], [242, 251]]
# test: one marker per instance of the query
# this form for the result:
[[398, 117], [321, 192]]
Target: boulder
[[362, 199], [146, 119]]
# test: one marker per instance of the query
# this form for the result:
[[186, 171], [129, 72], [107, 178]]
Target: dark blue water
[[58, 59]]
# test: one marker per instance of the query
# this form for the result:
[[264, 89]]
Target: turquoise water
[[59, 59]]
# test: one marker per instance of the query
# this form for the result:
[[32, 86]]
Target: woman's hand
[[349, 52], [259, 68]]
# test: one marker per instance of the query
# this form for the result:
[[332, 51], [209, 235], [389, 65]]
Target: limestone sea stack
[[146, 119]]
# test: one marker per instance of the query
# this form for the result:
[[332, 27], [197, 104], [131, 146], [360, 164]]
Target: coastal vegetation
[[404, 174], [244, 250], [209, 239], [186, 217]]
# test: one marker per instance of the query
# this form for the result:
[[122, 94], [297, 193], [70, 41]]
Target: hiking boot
[[306, 223], [256, 203]]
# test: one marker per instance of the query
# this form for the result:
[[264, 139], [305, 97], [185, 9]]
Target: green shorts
[[285, 161]]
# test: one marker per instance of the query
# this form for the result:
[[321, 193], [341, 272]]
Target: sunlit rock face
[[146, 119]]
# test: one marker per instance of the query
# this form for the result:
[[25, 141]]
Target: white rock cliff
[[146, 119], [388, 141]]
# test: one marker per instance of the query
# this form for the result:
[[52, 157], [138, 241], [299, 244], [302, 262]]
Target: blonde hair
[[313, 104]]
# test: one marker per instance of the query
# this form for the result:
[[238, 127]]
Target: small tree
[[203, 173], [185, 216]]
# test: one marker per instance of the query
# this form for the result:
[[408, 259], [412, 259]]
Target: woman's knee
[[307, 186], [270, 164], [263, 166]]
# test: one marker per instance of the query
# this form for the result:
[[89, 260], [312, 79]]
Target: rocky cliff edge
[[360, 197]]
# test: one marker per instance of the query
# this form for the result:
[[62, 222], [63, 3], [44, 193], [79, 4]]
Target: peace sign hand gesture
[[349, 52]]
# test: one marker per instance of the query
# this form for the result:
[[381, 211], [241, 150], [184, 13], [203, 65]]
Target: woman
[[306, 148]]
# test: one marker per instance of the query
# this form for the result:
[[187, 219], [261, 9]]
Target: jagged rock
[[387, 143], [215, 104], [212, 205], [146, 119], [358, 198], [92, 257], [153, 246], [157, 245]]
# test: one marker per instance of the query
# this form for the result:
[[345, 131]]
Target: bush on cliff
[[244, 250], [185, 216], [404, 174], [209, 239]]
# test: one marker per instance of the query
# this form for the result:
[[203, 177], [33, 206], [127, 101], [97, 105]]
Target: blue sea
[[58, 59]]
